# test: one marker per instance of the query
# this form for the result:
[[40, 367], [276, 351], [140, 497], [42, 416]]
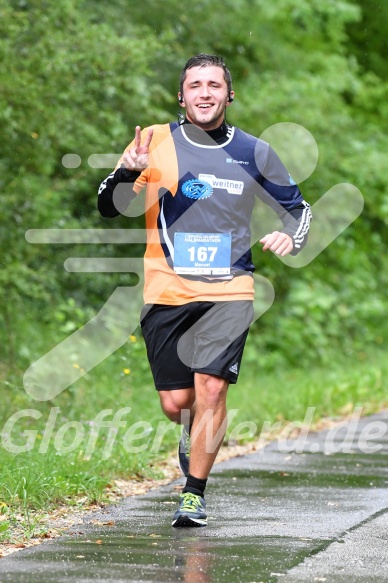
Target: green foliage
[[77, 78], [66, 86], [368, 37]]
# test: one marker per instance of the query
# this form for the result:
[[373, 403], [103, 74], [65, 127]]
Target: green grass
[[52, 472], [285, 394]]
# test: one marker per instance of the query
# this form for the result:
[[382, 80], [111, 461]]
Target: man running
[[202, 177]]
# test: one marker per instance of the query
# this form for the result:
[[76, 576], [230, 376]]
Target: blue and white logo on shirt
[[197, 189]]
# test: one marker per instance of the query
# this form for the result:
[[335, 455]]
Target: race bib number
[[202, 253]]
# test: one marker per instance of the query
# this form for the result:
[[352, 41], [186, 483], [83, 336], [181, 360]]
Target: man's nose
[[205, 91]]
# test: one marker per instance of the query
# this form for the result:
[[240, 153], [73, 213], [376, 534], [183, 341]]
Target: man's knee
[[210, 390], [177, 404]]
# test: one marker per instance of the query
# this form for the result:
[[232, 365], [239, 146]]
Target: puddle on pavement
[[170, 555], [272, 479], [261, 524]]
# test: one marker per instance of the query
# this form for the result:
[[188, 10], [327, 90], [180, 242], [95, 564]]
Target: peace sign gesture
[[136, 158]]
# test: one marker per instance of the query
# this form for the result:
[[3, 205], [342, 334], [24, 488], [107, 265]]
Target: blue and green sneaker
[[191, 511], [184, 450]]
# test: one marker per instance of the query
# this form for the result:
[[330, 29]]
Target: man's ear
[[230, 97]]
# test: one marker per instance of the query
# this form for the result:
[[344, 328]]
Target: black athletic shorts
[[205, 337]]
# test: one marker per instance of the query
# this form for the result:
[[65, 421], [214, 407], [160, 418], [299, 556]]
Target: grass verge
[[73, 451]]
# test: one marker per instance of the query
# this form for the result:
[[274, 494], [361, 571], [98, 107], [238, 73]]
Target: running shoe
[[184, 450], [191, 511]]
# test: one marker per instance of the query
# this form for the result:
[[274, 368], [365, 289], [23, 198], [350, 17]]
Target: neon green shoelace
[[190, 502]]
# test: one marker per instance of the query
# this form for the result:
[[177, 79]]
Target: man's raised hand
[[136, 158]]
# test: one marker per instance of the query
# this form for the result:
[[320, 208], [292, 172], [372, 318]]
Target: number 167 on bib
[[202, 253]]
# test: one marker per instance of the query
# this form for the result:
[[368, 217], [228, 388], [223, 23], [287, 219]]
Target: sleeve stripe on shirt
[[304, 225], [103, 183]]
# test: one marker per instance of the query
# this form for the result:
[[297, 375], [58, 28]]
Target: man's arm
[[293, 237], [283, 195], [109, 207], [132, 163], [296, 223]]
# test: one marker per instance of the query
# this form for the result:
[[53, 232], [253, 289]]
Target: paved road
[[276, 515]]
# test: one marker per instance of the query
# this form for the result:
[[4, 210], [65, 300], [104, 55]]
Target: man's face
[[205, 94]]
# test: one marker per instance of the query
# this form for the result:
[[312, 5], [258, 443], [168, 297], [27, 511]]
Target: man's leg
[[205, 410], [179, 406], [207, 433], [209, 423]]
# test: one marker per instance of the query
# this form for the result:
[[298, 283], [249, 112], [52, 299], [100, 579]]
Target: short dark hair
[[204, 60]]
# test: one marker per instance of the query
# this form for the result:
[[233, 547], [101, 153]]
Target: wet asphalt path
[[318, 515]]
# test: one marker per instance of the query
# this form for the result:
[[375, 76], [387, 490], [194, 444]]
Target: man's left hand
[[277, 242]]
